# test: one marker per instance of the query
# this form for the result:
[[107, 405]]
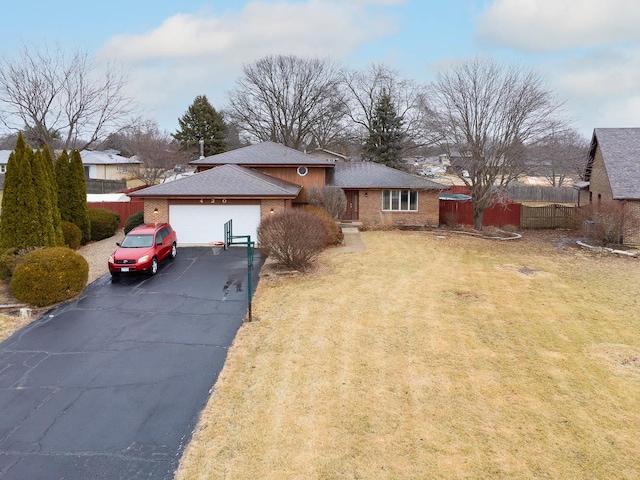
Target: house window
[[400, 200], [3, 169], [122, 168], [302, 171]]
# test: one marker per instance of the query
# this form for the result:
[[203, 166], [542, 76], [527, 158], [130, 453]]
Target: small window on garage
[[302, 171]]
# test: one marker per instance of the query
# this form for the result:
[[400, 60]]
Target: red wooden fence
[[460, 212], [124, 209]]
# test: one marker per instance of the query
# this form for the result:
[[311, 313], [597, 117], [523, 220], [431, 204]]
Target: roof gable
[[264, 153], [223, 181], [376, 175], [620, 149]]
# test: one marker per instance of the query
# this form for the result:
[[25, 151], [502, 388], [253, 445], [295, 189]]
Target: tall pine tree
[[19, 201], [53, 194], [384, 144], [202, 121], [29, 213], [72, 192]]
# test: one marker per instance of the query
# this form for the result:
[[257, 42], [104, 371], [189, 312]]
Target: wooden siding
[[315, 176]]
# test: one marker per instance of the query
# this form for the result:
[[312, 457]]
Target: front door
[[351, 212]]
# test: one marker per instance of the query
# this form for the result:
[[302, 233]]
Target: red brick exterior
[[372, 215]]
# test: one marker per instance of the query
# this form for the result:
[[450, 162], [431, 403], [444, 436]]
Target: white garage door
[[202, 224]]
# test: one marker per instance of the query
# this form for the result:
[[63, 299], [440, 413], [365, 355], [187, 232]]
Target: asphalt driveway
[[111, 385]]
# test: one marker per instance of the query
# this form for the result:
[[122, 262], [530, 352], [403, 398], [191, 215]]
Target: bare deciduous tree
[[485, 114], [157, 150], [53, 93], [284, 98], [332, 199], [559, 156], [362, 92]]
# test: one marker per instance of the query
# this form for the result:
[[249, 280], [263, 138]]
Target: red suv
[[143, 249]]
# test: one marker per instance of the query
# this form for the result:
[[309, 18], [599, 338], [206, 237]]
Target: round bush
[[72, 235], [49, 275], [104, 223], [133, 221], [294, 237]]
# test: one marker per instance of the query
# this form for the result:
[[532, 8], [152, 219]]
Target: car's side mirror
[[118, 243]]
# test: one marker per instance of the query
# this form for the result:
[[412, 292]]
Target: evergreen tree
[[44, 210], [53, 195], [202, 121], [19, 227], [72, 192], [64, 187], [384, 144], [78, 196]]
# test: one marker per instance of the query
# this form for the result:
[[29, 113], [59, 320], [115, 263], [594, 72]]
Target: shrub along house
[[613, 173], [249, 183]]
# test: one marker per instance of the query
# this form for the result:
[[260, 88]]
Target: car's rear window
[[135, 241]]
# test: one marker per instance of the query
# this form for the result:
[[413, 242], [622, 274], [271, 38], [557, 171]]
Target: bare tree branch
[[484, 115], [57, 94], [285, 99]]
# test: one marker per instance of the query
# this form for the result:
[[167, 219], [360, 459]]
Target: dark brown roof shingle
[[224, 181], [375, 175], [264, 153], [621, 154]]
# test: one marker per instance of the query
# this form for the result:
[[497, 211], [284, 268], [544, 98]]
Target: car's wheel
[[174, 250], [154, 266], [115, 275]]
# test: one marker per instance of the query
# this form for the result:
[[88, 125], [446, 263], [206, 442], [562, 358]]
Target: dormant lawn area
[[426, 357]]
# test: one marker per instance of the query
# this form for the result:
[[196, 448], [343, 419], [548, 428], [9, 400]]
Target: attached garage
[[204, 223], [198, 206]]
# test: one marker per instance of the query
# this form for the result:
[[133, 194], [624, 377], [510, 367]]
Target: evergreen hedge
[[49, 275], [104, 223], [133, 221], [72, 235]]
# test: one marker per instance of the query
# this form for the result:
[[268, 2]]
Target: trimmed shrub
[[133, 221], [294, 237], [334, 235], [8, 261], [72, 235], [49, 275], [104, 223]]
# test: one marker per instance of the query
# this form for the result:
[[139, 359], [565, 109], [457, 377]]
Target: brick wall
[[150, 204], [276, 205], [371, 213], [632, 224], [599, 182]]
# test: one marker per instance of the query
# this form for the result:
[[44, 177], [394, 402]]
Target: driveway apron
[[111, 385]]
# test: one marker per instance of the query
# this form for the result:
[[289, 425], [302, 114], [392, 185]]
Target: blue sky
[[588, 51]]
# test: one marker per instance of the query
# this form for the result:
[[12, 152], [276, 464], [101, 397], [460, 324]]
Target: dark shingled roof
[[621, 154], [223, 181], [265, 153], [375, 175]]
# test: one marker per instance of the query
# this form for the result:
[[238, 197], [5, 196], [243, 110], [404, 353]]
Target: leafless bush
[[605, 222], [331, 198], [334, 235], [294, 237]]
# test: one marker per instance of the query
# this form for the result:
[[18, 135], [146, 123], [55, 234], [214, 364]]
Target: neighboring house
[[107, 165], [613, 172], [4, 158], [248, 184], [328, 155]]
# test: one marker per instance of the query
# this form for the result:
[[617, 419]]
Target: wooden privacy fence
[[124, 209], [549, 216], [459, 212], [532, 193]]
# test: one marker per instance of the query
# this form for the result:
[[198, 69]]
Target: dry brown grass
[[9, 324], [427, 357]]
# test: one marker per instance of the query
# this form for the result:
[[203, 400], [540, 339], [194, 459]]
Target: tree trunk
[[477, 219]]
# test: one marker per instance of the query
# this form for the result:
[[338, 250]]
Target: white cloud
[[194, 54], [548, 25], [601, 88]]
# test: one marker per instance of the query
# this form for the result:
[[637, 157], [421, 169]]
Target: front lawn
[[427, 357]]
